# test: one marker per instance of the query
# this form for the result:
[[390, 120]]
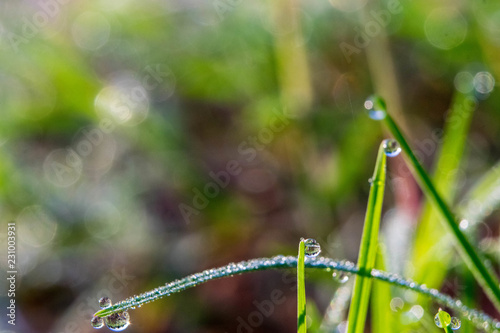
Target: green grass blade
[[480, 319], [429, 242], [368, 248], [301, 291], [487, 279], [382, 320]]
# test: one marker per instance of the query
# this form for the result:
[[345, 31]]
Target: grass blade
[[382, 320], [480, 319], [301, 290], [368, 248], [429, 242], [487, 279]]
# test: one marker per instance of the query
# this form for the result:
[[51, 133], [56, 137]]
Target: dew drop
[[391, 147], [446, 317], [341, 277], [375, 107], [118, 321], [464, 224], [104, 302], [97, 322], [455, 323], [312, 247]]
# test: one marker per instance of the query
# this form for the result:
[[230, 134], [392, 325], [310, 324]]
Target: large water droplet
[[118, 321], [312, 247], [341, 277], [97, 322], [391, 147], [446, 318], [455, 323], [376, 107], [104, 302]]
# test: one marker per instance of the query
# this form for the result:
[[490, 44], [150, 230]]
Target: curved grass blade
[[480, 319], [368, 248], [486, 278], [301, 290], [429, 241]]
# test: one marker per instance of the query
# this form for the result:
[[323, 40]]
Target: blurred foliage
[[116, 113]]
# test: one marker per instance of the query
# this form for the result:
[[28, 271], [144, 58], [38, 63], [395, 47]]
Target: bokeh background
[[144, 141]]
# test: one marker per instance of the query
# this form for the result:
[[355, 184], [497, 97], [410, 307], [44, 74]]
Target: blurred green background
[[144, 141]]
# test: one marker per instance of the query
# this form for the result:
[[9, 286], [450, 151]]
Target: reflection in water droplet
[[376, 107], [391, 147], [97, 322], [312, 247], [341, 277], [455, 323], [118, 321], [105, 302], [446, 317]]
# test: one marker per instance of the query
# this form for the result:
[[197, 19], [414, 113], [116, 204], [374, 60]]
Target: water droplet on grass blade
[[376, 107], [391, 147], [312, 247], [118, 321], [341, 277], [97, 322], [104, 302], [446, 317], [455, 323]]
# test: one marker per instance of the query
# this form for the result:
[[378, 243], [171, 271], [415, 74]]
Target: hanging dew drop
[[118, 321], [455, 323], [446, 319], [376, 107], [391, 147], [341, 277], [97, 322], [312, 247], [104, 302]]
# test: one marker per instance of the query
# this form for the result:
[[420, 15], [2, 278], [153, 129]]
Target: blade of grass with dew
[[486, 278], [429, 257], [301, 291], [382, 319], [444, 319], [368, 248], [480, 319]]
